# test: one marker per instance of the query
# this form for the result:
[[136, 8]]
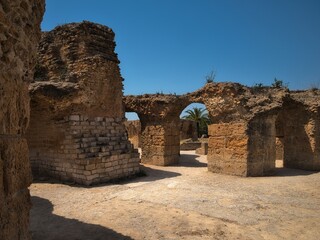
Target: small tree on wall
[[200, 116], [211, 77], [277, 83]]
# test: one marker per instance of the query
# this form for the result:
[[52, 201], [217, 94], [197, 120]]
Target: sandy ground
[[181, 202]]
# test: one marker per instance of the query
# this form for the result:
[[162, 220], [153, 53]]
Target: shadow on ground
[[147, 174], [154, 174], [55, 227], [190, 160], [288, 172]]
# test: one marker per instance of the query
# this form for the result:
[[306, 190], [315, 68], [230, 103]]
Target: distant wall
[[188, 129], [133, 129]]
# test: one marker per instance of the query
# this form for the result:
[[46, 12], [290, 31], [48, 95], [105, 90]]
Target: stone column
[[228, 148], [19, 35], [77, 130], [160, 143]]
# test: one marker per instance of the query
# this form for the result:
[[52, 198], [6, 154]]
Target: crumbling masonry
[[246, 123], [19, 35], [76, 128]]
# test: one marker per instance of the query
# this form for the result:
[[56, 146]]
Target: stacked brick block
[[83, 150], [161, 144]]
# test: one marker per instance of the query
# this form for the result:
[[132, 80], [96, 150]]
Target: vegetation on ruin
[[200, 116], [277, 83], [211, 77]]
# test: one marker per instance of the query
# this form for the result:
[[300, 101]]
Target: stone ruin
[[19, 35], [247, 123], [188, 130], [77, 128]]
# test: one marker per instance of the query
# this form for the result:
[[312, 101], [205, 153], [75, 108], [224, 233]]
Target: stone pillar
[[77, 130], [19, 35], [228, 148], [160, 143], [81, 149]]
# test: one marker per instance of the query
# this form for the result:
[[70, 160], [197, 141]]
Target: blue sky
[[170, 46]]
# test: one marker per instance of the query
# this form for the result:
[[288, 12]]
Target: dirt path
[[181, 202]]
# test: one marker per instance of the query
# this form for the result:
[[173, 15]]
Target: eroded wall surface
[[77, 130], [188, 130], [133, 129], [19, 35], [161, 143], [245, 125]]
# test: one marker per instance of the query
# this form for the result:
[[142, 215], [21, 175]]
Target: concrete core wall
[[19, 35]]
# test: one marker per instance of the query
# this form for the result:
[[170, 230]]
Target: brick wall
[[82, 150]]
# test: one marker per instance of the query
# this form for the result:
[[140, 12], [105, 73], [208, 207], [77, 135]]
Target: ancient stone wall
[[227, 148], [188, 129], [161, 143], [261, 146], [133, 129], [160, 131], [299, 136], [19, 35], [246, 122], [82, 149], [77, 128], [279, 148]]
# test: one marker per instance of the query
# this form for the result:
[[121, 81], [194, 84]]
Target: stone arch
[[133, 130], [297, 127]]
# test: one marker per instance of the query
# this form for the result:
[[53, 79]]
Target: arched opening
[[294, 137], [133, 129], [194, 122], [279, 142]]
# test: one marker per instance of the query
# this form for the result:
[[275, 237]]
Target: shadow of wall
[[46, 225]]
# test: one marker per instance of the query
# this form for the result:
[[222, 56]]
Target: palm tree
[[200, 116]]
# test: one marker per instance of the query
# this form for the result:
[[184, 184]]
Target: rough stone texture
[[300, 131], [190, 145], [76, 128], [160, 143], [279, 148], [227, 151], [246, 122], [133, 129], [203, 149], [19, 35], [188, 129]]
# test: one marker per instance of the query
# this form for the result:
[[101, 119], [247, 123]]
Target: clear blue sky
[[170, 46]]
